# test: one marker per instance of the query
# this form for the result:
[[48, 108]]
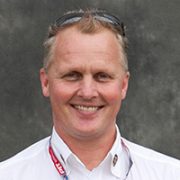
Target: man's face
[[85, 82]]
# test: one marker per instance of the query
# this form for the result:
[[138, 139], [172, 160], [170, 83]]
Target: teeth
[[86, 108]]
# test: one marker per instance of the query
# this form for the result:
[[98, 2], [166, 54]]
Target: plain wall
[[151, 112]]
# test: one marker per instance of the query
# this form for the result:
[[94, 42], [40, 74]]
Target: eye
[[102, 77], [72, 76]]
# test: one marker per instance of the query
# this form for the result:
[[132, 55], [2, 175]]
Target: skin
[[86, 85]]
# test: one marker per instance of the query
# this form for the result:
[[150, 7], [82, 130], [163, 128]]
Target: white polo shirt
[[125, 160]]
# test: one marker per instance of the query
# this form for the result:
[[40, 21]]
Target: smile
[[87, 108]]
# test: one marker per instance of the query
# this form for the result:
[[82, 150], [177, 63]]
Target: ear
[[125, 83], [44, 82]]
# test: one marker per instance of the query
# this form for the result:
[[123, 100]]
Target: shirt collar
[[119, 154], [120, 157], [60, 148]]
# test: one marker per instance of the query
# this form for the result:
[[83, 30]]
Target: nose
[[87, 88]]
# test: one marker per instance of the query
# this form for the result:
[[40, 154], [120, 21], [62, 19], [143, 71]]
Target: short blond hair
[[88, 23]]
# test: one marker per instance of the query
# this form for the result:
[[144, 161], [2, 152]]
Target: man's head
[[90, 22], [85, 75]]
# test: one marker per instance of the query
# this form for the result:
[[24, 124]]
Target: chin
[[88, 132]]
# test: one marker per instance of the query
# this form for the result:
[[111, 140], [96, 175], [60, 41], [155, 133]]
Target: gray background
[[150, 114]]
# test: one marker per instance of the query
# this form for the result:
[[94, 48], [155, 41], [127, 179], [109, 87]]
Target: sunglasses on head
[[101, 16]]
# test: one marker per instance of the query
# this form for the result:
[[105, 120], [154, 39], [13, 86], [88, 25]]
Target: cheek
[[112, 94], [60, 93]]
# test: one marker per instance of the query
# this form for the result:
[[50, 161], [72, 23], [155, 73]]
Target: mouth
[[84, 108]]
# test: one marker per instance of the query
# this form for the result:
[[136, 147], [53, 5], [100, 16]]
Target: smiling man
[[86, 82], [85, 76]]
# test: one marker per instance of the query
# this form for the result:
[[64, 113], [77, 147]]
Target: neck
[[91, 152]]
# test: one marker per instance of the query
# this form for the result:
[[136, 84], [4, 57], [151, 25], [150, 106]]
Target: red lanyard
[[57, 164]]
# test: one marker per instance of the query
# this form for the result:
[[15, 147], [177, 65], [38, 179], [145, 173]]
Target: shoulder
[[149, 154], [151, 161], [26, 158]]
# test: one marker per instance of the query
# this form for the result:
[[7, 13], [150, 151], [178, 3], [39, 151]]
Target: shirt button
[[115, 159]]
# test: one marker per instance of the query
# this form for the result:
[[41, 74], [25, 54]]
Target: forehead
[[71, 40]]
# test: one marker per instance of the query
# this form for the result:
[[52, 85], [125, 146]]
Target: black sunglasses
[[99, 15]]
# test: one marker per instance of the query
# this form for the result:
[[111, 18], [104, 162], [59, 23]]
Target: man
[[85, 76]]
